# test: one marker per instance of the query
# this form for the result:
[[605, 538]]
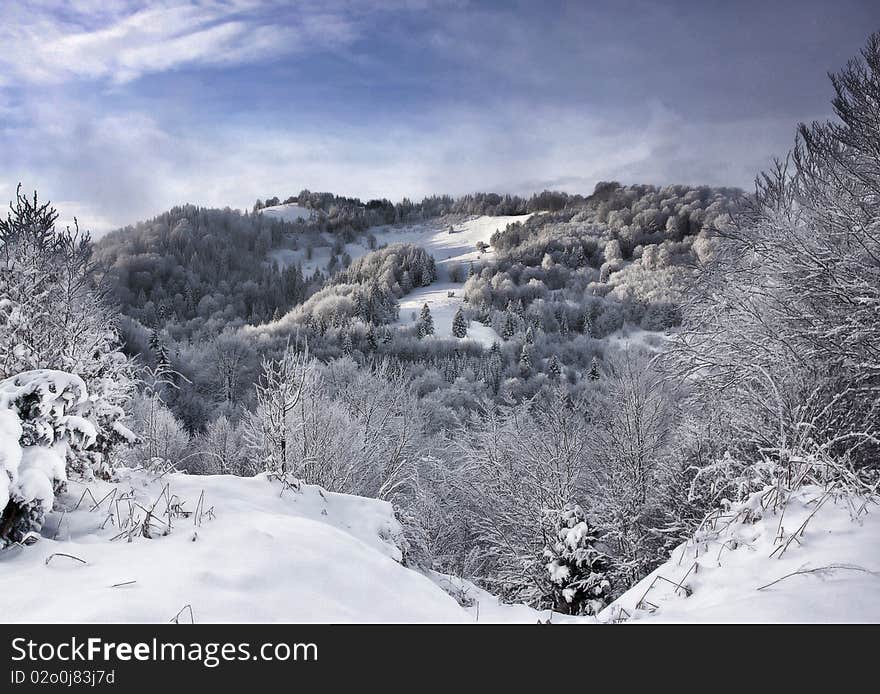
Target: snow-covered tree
[[554, 370], [425, 322], [526, 358], [459, 324], [279, 392], [509, 325], [53, 315], [595, 373], [576, 568], [47, 427]]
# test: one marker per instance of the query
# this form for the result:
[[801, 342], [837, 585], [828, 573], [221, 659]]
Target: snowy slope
[[458, 248], [289, 212], [443, 308], [448, 250], [728, 577], [263, 557]]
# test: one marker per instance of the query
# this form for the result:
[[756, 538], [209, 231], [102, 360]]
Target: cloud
[[405, 99], [122, 167], [125, 40]]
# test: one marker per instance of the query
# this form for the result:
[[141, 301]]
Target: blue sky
[[118, 110]]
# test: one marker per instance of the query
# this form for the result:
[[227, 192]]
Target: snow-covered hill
[[450, 242], [290, 212], [246, 553], [745, 572]]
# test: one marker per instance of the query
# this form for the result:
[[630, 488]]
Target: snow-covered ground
[[635, 337], [289, 212], [448, 249], [260, 556], [443, 308], [830, 573], [256, 555]]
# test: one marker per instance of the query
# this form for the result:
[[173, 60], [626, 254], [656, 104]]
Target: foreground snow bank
[[250, 554], [745, 572]]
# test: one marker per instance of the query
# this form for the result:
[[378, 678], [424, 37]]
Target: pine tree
[[553, 367], [459, 324], [372, 341], [525, 359], [51, 317], [530, 336], [576, 568], [406, 284], [426, 322], [160, 351], [594, 369], [563, 323], [587, 324], [508, 329]]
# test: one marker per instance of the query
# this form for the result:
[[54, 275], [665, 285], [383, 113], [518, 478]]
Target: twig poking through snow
[[822, 570], [62, 554], [176, 618]]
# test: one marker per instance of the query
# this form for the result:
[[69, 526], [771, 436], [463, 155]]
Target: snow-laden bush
[[47, 427], [576, 567], [54, 315]]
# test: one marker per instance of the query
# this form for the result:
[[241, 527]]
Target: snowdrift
[[245, 553], [753, 572]]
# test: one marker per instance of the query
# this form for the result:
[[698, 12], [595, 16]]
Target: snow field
[[307, 556], [831, 573]]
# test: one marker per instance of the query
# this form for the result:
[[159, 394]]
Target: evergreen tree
[[52, 317], [525, 358], [594, 369], [563, 323], [426, 322], [160, 351], [587, 323], [553, 367], [508, 329], [459, 324], [577, 569]]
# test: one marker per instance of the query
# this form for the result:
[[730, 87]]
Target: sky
[[119, 109]]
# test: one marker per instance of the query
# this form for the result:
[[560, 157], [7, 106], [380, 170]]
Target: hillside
[[243, 550], [247, 553], [743, 572]]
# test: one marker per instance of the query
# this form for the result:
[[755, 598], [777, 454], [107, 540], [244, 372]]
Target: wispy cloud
[[125, 40], [118, 168], [120, 109]]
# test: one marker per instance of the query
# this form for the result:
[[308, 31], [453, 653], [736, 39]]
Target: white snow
[[634, 336], [458, 248], [314, 556], [10, 452], [443, 308], [448, 250], [289, 212], [307, 556], [486, 608], [839, 561]]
